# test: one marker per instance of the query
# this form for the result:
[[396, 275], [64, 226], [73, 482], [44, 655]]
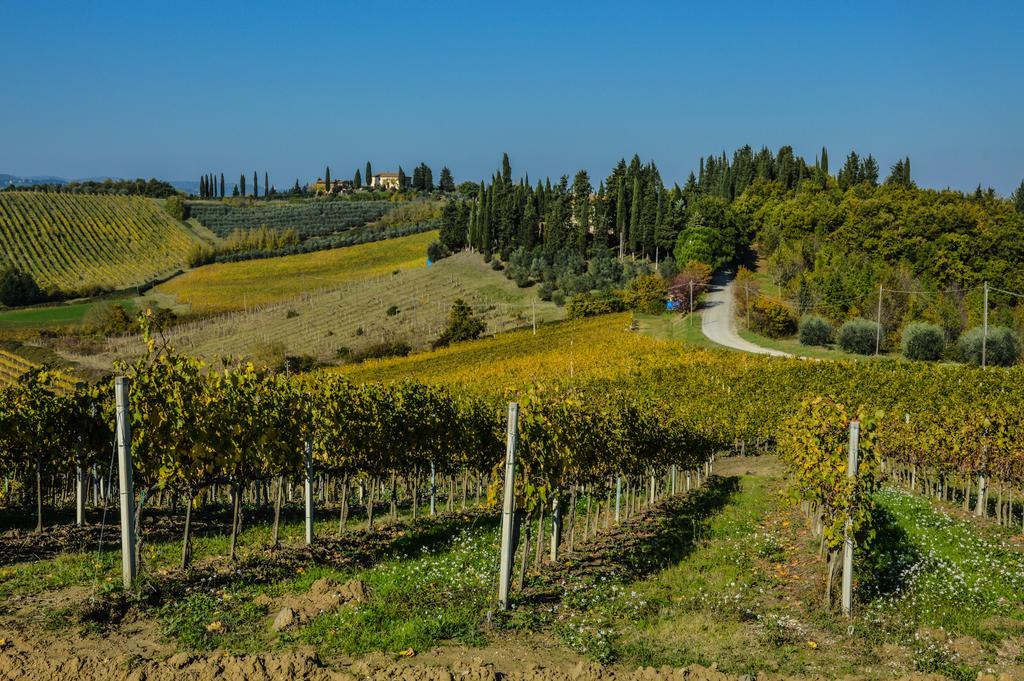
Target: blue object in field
[[672, 305], [429, 262]]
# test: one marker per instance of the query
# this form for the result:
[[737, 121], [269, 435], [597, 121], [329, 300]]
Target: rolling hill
[[80, 243]]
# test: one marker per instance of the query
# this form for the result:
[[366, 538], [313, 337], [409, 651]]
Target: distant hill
[[7, 180]]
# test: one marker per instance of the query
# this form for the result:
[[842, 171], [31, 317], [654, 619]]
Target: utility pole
[[691, 300], [746, 288], [878, 330], [984, 333], [534, 317]]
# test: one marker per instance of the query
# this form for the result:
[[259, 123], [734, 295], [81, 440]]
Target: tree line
[[153, 188]]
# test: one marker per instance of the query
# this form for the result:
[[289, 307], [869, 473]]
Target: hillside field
[[377, 303], [234, 286], [78, 243]]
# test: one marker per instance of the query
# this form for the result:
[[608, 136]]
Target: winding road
[[718, 322]]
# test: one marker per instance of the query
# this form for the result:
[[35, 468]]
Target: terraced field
[[77, 242], [239, 285], [411, 305]]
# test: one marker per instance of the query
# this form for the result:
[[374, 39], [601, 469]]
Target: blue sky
[[177, 89]]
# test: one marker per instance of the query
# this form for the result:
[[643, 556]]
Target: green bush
[[588, 305], [772, 319], [437, 251], [815, 330], [646, 293], [858, 336], [382, 350], [18, 288], [923, 341], [1002, 348]]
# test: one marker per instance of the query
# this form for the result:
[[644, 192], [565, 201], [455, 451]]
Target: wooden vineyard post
[[508, 507], [851, 472], [673, 486], [618, 497], [433, 488], [124, 475], [308, 447]]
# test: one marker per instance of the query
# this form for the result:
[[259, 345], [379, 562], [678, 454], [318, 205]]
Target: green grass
[[796, 348], [675, 327], [937, 570], [71, 314]]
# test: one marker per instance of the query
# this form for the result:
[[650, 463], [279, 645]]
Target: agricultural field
[[78, 243], [238, 286], [398, 304], [309, 218], [57, 316]]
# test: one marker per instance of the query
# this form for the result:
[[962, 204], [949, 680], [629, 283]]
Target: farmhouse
[[385, 181]]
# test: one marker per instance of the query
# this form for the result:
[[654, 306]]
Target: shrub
[[437, 251], [383, 350], [291, 314], [558, 298], [545, 291], [392, 311], [1002, 348], [588, 305], [815, 330], [772, 319], [175, 206], [923, 341], [646, 293], [110, 319], [858, 336], [18, 288]]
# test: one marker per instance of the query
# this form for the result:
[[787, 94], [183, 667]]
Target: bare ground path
[[719, 323]]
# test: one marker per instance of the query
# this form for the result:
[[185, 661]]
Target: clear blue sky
[[176, 89]]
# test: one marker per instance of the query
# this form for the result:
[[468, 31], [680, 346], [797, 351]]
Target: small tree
[[858, 336], [693, 277], [1002, 347], [175, 207], [815, 330], [923, 341], [462, 325]]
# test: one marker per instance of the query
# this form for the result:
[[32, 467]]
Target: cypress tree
[[1018, 197], [824, 160], [266, 184], [446, 183], [369, 175], [241, 183], [327, 179], [621, 213], [202, 187], [222, 185], [634, 217], [255, 185], [357, 181], [401, 179]]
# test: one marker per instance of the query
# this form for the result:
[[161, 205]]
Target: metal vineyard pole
[[851, 472], [508, 507], [308, 447], [124, 474]]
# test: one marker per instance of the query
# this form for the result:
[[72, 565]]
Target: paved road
[[718, 322]]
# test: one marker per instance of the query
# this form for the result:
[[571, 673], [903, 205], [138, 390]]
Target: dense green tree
[[327, 180], [446, 183], [241, 183], [266, 184], [463, 325], [1018, 197], [368, 175], [581, 190], [621, 215], [222, 185], [402, 179], [18, 288], [357, 181], [454, 225]]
